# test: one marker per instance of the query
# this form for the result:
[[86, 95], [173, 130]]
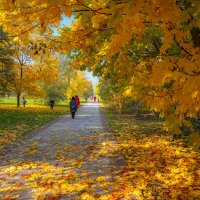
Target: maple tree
[[22, 70], [31, 70], [79, 85], [87, 90], [154, 44], [56, 89], [110, 91]]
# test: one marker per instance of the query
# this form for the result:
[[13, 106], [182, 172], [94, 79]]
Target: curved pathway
[[68, 159]]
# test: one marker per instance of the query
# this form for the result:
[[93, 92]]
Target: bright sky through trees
[[66, 21]]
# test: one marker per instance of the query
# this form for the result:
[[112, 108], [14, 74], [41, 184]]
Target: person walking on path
[[95, 98], [73, 107], [24, 101], [52, 103], [77, 101]]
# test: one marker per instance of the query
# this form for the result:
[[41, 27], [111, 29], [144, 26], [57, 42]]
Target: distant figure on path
[[51, 103], [77, 101], [24, 101], [73, 107], [95, 98]]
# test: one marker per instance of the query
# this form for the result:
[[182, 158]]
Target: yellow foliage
[[86, 196], [78, 85], [105, 30]]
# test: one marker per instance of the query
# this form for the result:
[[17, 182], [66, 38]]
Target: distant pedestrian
[[95, 98], [24, 101], [51, 103], [77, 101], [73, 107]]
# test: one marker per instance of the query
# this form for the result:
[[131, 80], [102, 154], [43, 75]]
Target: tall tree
[[22, 64], [87, 90], [31, 70], [79, 85]]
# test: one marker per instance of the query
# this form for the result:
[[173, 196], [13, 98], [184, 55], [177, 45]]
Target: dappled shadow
[[160, 169], [71, 159], [79, 160], [66, 162], [157, 166], [90, 170], [156, 169]]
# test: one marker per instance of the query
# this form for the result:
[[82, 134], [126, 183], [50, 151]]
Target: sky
[[92, 78], [66, 22]]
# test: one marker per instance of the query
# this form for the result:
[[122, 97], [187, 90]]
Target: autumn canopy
[[149, 48]]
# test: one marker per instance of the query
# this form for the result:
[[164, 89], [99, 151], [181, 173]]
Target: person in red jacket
[[77, 101], [95, 98]]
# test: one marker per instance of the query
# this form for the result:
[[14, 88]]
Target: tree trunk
[[18, 99], [195, 32], [19, 92]]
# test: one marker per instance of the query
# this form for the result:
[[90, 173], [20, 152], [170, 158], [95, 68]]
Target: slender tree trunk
[[19, 93], [195, 32], [18, 99]]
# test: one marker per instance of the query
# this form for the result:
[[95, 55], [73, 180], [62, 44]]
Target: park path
[[69, 159]]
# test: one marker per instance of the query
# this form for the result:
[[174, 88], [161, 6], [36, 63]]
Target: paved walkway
[[70, 159]]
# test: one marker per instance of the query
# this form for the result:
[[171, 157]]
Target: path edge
[[8, 148], [120, 160]]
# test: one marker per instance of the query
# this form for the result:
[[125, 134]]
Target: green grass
[[17, 121], [134, 122], [25, 120], [31, 102]]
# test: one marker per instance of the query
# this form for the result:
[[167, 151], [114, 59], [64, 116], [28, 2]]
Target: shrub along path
[[69, 159]]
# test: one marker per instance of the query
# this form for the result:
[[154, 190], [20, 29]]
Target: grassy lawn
[[158, 167], [31, 102], [26, 119], [15, 122]]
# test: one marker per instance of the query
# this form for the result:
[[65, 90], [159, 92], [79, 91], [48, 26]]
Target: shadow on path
[[70, 159]]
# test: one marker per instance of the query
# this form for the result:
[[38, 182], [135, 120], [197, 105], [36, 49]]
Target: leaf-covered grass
[[14, 122], [158, 166]]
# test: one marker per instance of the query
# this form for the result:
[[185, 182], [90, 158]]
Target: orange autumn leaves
[[160, 169], [16, 121], [157, 166]]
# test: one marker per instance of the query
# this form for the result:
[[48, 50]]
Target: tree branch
[[181, 69], [182, 47], [93, 10], [163, 95], [24, 31]]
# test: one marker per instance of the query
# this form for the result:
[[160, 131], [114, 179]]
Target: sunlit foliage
[[158, 53], [79, 85]]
